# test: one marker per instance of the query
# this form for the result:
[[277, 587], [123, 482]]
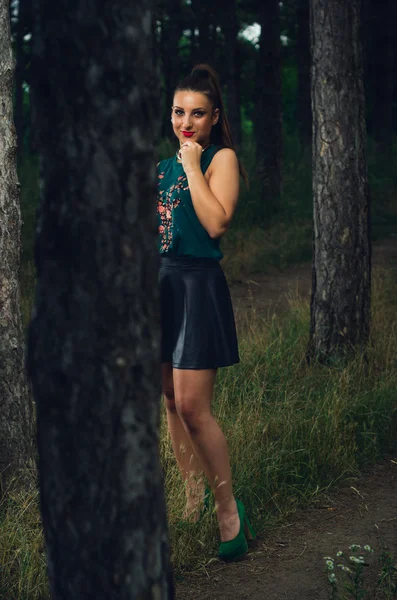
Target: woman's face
[[193, 117]]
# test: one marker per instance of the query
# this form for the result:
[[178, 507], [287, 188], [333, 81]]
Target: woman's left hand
[[191, 156]]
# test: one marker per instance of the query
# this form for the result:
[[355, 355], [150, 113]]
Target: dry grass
[[292, 430]]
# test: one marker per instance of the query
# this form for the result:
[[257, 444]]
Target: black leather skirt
[[197, 321]]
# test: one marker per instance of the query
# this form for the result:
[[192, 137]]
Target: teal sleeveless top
[[180, 231]]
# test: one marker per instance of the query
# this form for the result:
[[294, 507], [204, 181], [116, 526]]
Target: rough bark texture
[[15, 405], [340, 306], [93, 349], [268, 117], [303, 59]]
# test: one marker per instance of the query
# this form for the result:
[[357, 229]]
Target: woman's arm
[[214, 202]]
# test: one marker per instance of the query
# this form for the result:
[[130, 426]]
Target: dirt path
[[287, 562], [269, 292]]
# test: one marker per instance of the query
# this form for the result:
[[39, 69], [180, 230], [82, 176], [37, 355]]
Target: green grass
[[255, 249], [284, 240], [352, 574], [293, 430], [22, 556]]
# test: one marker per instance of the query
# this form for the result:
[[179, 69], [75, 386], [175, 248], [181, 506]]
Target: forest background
[[262, 53], [281, 448]]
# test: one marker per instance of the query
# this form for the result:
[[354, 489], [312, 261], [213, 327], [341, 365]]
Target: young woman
[[197, 195]]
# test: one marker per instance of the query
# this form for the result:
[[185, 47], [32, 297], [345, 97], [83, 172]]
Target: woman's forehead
[[189, 100]]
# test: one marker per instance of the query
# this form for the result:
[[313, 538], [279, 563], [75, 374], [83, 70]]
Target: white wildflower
[[330, 564], [344, 568], [368, 548], [358, 561], [328, 558], [332, 578], [354, 547], [339, 553]]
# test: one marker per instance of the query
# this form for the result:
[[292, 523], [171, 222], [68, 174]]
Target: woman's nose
[[186, 122]]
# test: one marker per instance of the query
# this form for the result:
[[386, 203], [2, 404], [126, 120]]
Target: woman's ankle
[[226, 508]]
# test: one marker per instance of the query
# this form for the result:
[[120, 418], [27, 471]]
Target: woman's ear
[[215, 116]]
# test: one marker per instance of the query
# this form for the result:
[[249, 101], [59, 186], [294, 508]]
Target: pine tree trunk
[[172, 30], [303, 104], [93, 349], [231, 29], [204, 16], [268, 118], [15, 404], [340, 305]]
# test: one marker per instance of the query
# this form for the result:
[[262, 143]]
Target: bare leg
[[193, 391], [188, 463]]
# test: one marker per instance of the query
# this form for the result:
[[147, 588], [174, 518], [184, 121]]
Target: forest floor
[[270, 292], [287, 562]]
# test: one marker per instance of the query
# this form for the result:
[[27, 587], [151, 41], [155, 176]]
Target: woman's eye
[[199, 114], [178, 112]]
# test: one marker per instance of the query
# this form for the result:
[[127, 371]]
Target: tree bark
[[268, 118], [15, 405], [340, 303], [171, 33], [93, 348], [232, 73], [303, 59], [205, 50]]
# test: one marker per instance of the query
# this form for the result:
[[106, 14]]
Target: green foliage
[[281, 417], [254, 250], [23, 572], [250, 246], [293, 430], [347, 574]]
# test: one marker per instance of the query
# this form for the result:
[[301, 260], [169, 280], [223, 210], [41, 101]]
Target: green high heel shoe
[[238, 546]]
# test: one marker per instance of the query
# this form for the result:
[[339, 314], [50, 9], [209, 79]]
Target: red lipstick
[[188, 133]]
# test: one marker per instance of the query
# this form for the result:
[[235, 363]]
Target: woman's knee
[[191, 413]]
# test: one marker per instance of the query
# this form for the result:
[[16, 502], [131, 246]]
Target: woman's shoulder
[[225, 152], [223, 157]]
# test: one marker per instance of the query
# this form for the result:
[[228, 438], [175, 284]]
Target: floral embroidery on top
[[165, 207]]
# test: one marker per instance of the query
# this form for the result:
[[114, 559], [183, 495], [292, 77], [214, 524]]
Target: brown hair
[[204, 79]]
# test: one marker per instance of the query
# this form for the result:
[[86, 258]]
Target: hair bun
[[202, 71]]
